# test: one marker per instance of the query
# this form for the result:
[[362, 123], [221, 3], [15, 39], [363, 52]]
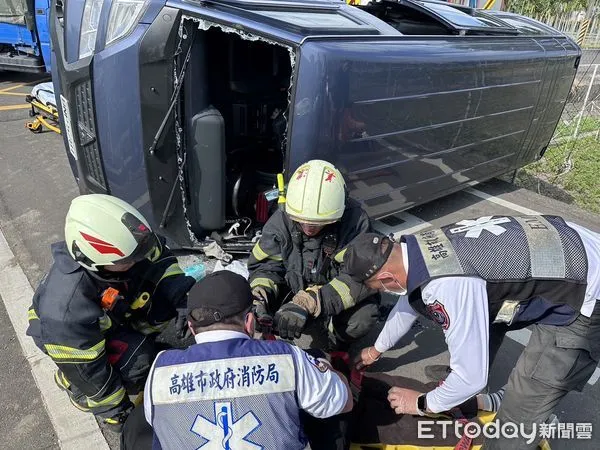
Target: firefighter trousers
[[131, 354]]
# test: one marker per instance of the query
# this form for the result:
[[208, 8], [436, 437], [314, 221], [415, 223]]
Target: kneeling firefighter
[[112, 288], [295, 268]]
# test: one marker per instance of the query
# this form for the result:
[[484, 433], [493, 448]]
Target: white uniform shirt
[[463, 304], [320, 393]]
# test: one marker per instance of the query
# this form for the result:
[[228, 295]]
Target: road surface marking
[[501, 202], [595, 376], [15, 94], [12, 107], [74, 429], [521, 336], [16, 86], [410, 224]]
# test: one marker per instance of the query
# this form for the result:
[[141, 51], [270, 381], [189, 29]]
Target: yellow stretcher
[[44, 116], [484, 417]]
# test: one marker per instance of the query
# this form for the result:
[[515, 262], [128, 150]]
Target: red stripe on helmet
[[103, 247]]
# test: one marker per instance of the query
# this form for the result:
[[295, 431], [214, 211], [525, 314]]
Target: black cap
[[366, 255], [217, 296]]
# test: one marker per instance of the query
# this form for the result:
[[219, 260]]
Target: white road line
[[411, 224], [74, 429], [501, 202], [521, 336], [595, 377]]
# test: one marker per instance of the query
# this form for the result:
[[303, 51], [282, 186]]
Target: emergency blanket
[[13, 11], [44, 93]]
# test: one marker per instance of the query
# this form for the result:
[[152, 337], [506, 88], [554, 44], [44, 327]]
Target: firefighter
[[295, 266], [112, 288], [478, 279], [233, 391]]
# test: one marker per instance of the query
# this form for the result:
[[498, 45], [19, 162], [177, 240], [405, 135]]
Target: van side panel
[[562, 59], [411, 119]]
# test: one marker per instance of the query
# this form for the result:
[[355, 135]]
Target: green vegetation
[[545, 6], [575, 182], [567, 129]]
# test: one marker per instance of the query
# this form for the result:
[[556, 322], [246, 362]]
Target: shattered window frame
[[268, 14], [302, 19], [526, 25], [460, 19]]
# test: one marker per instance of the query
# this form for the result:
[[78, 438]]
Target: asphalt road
[[36, 187]]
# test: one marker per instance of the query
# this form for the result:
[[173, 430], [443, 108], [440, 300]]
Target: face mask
[[401, 290]]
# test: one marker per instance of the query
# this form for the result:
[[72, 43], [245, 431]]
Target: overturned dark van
[[189, 109]]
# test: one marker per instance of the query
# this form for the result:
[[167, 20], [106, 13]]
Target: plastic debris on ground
[[197, 271], [236, 266]]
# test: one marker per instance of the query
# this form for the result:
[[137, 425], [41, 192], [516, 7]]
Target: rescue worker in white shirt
[[295, 266], [232, 391], [479, 278], [113, 286]]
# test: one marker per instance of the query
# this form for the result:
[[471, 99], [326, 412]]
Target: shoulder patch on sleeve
[[438, 314], [320, 365]]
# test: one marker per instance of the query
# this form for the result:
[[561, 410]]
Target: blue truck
[[25, 36], [189, 109]]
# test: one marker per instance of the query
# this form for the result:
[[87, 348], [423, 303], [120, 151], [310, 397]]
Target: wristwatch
[[422, 404]]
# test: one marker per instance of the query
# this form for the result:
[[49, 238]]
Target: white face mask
[[401, 290]]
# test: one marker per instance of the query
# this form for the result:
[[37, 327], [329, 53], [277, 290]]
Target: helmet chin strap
[[112, 277]]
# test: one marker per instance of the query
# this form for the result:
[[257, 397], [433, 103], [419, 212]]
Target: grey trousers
[[557, 360]]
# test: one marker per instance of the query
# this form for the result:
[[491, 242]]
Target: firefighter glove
[[310, 300], [263, 318], [182, 330], [260, 293], [290, 320]]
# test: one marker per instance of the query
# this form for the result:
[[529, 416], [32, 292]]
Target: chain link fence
[[568, 170], [571, 24], [581, 117]]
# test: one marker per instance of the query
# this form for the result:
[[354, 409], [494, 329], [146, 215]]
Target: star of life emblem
[[474, 228], [224, 432]]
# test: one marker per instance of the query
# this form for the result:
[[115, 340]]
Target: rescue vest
[[535, 267], [236, 393]]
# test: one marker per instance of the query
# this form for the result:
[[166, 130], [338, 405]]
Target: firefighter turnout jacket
[[284, 255], [67, 322]]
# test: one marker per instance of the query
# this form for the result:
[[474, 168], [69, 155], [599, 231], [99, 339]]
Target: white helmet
[[102, 230], [316, 193]]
